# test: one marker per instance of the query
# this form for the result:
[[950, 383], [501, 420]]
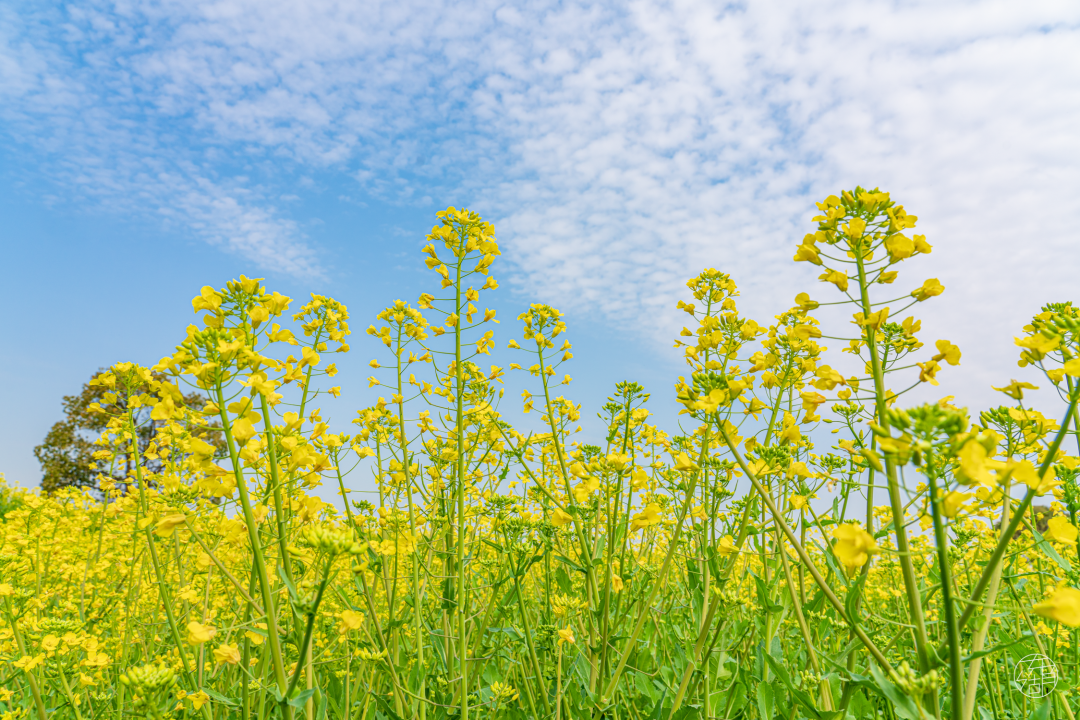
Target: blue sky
[[152, 148]]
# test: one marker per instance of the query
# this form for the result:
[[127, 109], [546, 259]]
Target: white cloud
[[83, 122], [621, 148]]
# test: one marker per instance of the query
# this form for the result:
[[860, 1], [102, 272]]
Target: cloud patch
[[620, 147]]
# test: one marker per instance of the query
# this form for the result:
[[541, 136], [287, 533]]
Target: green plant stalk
[[245, 692], [275, 480], [911, 585], [693, 661], [529, 643], [270, 608], [133, 594], [307, 631], [778, 518], [173, 627], [396, 683], [582, 541], [417, 620], [558, 684], [941, 541], [1076, 418], [67, 691], [231, 578], [585, 546], [610, 557], [1003, 541], [804, 629], [307, 372], [163, 593], [528, 691], [206, 604], [673, 543], [89, 559], [39, 705], [977, 643], [1060, 695], [459, 424]]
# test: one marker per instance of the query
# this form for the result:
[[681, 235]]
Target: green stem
[[778, 518], [643, 613], [417, 621], [941, 541], [30, 679], [1003, 541], [975, 666], [270, 607], [459, 424], [275, 483], [307, 631], [911, 584]]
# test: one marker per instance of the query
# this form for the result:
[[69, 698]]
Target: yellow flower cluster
[[493, 565]]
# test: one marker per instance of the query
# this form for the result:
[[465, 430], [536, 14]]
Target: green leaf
[[386, 707], [569, 562], [448, 600], [1047, 548], [294, 597], [659, 709], [763, 595], [853, 594], [722, 673], [562, 579], [688, 712], [714, 562], [830, 560], [218, 697], [765, 700], [801, 697], [983, 653], [301, 698]]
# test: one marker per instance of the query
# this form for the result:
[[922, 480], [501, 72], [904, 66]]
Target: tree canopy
[[67, 454]]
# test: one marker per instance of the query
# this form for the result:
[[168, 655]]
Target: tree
[[67, 453]]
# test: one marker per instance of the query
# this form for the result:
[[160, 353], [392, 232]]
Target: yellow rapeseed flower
[[1063, 606], [929, 289], [853, 545], [948, 352], [199, 633], [726, 546], [837, 278], [167, 525], [350, 620], [1015, 389], [953, 503], [560, 517], [646, 518], [1059, 529], [1024, 471], [227, 654], [198, 699], [684, 463]]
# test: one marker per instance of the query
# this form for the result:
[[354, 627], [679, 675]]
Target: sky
[[148, 149]]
